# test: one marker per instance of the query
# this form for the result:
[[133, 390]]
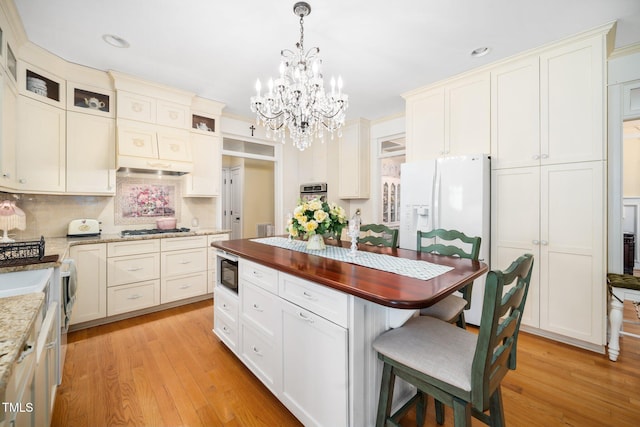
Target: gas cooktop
[[147, 231]]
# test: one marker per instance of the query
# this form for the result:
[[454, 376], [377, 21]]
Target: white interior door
[[235, 198]]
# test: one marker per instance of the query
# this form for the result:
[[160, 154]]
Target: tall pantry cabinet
[[541, 116], [548, 184]]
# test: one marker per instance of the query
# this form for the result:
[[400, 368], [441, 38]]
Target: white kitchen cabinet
[[41, 148], [184, 268], [149, 109], [260, 324], [91, 163], [425, 117], [225, 317], [450, 119], [133, 271], [8, 131], [20, 393], [315, 379], [144, 146], [515, 114], [204, 181], [46, 381], [313, 161], [467, 116], [572, 100], [555, 212], [91, 296], [354, 161], [36, 83]]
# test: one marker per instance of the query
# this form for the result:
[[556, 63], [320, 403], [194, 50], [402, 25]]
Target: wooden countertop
[[388, 289]]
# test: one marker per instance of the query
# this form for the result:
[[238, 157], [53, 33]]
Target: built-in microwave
[[227, 271]]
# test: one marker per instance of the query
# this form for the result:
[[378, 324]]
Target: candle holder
[[354, 233]]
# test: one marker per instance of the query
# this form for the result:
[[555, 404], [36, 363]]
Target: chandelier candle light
[[297, 99]]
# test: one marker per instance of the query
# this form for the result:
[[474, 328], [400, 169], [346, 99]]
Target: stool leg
[[615, 319], [386, 395]]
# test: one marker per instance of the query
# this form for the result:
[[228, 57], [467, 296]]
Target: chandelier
[[297, 100]]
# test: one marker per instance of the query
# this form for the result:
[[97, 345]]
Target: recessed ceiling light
[[481, 51], [116, 41]]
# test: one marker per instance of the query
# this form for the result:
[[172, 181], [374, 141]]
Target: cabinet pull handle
[[185, 262], [257, 351], [305, 317], [136, 106], [309, 296], [257, 274], [224, 305], [50, 345], [134, 269], [226, 330], [256, 307], [185, 286], [135, 296]]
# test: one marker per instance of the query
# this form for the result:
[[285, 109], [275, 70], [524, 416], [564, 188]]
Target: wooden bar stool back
[[451, 309], [457, 367]]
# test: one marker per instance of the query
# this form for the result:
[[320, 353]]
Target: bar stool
[[622, 287]]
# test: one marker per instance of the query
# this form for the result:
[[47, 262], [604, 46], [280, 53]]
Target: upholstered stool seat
[[448, 309], [623, 287]]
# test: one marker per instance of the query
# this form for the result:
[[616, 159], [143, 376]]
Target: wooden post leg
[[386, 395], [615, 320]]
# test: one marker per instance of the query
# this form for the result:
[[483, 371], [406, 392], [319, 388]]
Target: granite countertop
[[59, 246], [17, 315]]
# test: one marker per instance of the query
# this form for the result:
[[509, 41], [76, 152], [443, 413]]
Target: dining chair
[[457, 367], [383, 235], [450, 309]]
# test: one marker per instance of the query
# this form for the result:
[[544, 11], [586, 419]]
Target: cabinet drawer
[[260, 308], [182, 287], [321, 300], [137, 142], [265, 277], [216, 238], [174, 144], [187, 261], [226, 302], [177, 243], [172, 114], [125, 298], [261, 355], [136, 107], [132, 268], [135, 247], [226, 329]]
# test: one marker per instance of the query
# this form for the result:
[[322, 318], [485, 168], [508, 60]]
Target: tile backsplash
[[49, 215]]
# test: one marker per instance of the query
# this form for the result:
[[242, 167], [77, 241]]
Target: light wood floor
[[168, 369]]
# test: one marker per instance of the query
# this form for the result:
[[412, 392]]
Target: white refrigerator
[[449, 193]]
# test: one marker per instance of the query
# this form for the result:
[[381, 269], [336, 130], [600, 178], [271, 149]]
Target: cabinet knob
[[545, 156], [22, 181], [536, 157], [6, 175], [535, 242], [544, 242]]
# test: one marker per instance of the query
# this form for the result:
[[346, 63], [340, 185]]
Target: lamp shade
[[11, 216]]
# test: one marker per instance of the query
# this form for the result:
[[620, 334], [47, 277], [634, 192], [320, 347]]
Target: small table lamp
[[11, 217]]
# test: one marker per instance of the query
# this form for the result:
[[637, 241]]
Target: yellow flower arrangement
[[316, 217]]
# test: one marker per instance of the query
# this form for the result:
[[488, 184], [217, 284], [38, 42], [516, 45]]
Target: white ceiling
[[381, 48]]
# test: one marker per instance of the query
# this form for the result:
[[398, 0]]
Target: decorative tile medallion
[[142, 201]]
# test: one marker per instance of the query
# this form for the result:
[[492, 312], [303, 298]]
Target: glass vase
[[316, 243]]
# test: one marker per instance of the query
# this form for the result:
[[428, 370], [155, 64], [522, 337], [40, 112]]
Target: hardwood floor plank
[[169, 369]]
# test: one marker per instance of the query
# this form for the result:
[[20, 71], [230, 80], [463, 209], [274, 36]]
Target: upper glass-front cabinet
[[90, 100], [38, 84], [205, 124]]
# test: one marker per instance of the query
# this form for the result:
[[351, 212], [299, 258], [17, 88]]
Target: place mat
[[417, 269]]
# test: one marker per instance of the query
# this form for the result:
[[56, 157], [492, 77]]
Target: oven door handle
[[227, 255], [70, 276]]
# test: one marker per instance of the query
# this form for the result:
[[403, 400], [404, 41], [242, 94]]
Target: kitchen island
[[304, 323]]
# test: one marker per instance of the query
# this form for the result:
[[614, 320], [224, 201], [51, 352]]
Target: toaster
[[83, 227]]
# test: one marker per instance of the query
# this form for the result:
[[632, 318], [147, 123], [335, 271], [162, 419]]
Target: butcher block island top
[[381, 287]]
